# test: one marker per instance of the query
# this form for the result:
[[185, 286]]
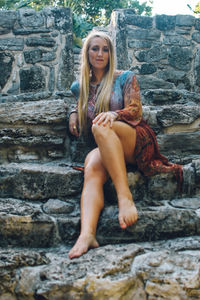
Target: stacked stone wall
[[36, 53], [163, 50]]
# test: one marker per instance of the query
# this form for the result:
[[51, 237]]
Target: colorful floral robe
[[125, 100]]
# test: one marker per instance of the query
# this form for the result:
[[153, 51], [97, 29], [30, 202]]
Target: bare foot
[[82, 245], [127, 213]]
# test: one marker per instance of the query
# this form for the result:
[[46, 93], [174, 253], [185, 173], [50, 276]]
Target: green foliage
[[197, 9], [98, 12], [86, 13], [81, 26], [8, 4]]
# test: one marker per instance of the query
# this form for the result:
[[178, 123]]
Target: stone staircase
[[156, 258]]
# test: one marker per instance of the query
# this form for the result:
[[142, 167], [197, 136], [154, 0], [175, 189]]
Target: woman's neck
[[97, 76]]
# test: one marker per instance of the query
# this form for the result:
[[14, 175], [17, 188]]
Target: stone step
[[55, 222], [37, 181], [156, 270], [32, 131], [178, 130], [58, 180], [38, 131]]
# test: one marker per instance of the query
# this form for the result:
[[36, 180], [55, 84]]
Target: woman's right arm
[[73, 118], [73, 123]]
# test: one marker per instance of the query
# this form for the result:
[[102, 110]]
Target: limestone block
[[193, 203], [175, 76], [43, 41], [99, 276], [180, 58], [11, 260], [178, 114], [62, 19], [152, 82], [37, 181], [139, 21], [168, 275], [68, 228], [154, 223], [137, 44], [12, 43], [32, 79], [197, 24], [152, 55], [185, 20], [24, 224], [38, 55], [30, 18], [197, 67], [33, 130], [147, 69], [7, 19], [33, 113], [182, 142], [66, 66], [6, 61], [164, 22], [176, 40], [55, 206], [144, 34], [196, 37], [162, 96]]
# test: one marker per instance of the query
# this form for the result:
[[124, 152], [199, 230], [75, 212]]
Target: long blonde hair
[[105, 88]]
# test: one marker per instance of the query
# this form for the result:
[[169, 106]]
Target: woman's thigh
[[127, 136], [94, 166]]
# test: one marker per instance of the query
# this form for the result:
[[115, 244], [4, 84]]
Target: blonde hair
[[105, 88]]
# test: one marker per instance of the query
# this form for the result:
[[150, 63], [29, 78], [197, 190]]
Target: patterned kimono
[[125, 100]]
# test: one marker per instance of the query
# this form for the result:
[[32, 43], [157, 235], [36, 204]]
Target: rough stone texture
[[158, 270], [32, 79], [24, 224], [31, 37], [6, 60], [34, 129], [37, 181], [40, 184], [168, 43]]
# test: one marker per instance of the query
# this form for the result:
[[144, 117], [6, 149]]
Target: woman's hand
[[105, 117], [73, 121]]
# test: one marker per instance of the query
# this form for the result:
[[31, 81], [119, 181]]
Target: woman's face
[[98, 53]]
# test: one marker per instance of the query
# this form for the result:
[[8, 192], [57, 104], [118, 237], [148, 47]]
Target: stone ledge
[[39, 181], [165, 269], [43, 181], [24, 223]]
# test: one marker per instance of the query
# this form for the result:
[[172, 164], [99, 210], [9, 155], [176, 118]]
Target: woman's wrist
[[73, 112], [115, 114]]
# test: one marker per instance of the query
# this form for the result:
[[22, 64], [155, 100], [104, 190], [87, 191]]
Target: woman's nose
[[100, 52]]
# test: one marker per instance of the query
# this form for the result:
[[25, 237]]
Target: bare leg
[[92, 202], [117, 145]]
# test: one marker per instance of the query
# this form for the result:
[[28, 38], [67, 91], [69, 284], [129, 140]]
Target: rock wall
[[156, 258], [163, 50], [36, 53]]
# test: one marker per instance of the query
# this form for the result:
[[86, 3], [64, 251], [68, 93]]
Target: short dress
[[125, 101]]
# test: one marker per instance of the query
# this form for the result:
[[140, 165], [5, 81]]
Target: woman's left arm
[[132, 111]]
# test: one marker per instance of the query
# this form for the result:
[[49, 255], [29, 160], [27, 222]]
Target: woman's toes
[[122, 222]]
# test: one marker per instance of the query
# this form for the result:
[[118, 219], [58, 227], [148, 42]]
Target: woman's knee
[[99, 131]]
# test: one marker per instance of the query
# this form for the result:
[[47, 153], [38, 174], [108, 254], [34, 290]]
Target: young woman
[[109, 106]]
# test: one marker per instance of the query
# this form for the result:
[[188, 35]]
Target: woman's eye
[[105, 50], [95, 49]]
